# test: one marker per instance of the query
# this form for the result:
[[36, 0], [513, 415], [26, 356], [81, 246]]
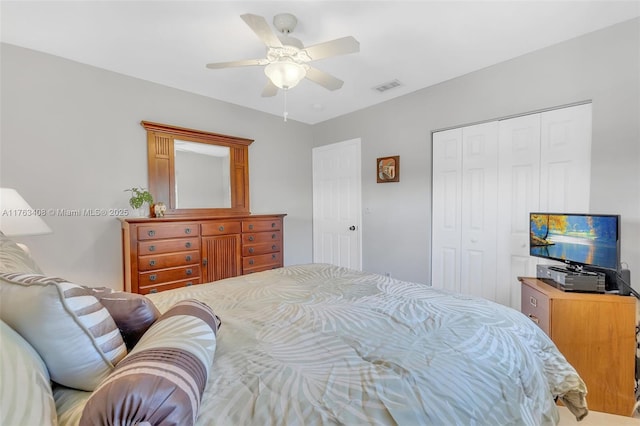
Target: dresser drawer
[[261, 262], [221, 228], [168, 246], [535, 305], [168, 286], [261, 237], [160, 231], [161, 261], [170, 274], [261, 225], [260, 248]]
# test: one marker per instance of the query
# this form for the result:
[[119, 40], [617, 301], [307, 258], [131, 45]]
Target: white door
[[565, 160], [518, 186], [446, 209], [337, 215], [479, 209], [508, 168]]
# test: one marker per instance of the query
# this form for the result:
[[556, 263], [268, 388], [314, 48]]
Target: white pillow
[[15, 259], [71, 330], [25, 388]]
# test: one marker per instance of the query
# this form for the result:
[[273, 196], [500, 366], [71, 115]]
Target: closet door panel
[[519, 189], [446, 209], [565, 155], [479, 210], [487, 178]]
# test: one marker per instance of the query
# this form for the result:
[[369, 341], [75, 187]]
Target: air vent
[[387, 86]]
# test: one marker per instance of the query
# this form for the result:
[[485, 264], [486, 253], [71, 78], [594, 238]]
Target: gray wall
[[71, 139], [603, 67]]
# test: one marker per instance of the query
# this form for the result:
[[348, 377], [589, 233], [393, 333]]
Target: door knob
[[352, 228]]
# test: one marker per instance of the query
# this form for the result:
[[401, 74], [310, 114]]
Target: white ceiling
[[419, 43]]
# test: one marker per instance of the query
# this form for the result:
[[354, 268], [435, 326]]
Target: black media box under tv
[[566, 280]]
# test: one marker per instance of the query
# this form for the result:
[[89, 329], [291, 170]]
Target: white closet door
[[519, 189], [479, 210], [565, 160], [446, 209], [487, 178]]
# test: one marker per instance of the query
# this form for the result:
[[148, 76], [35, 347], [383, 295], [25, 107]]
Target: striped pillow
[[70, 329], [133, 313], [162, 379], [25, 390]]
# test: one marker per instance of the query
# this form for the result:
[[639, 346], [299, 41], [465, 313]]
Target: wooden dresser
[[171, 252], [595, 333]]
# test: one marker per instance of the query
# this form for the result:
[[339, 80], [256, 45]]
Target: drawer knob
[[273, 247], [151, 233], [533, 301], [251, 238], [273, 236], [534, 318], [153, 277], [152, 248], [251, 261], [187, 244], [152, 263], [189, 284], [273, 256], [188, 258], [221, 228], [187, 230], [205, 262], [251, 250], [251, 226], [273, 224], [189, 271], [153, 290]]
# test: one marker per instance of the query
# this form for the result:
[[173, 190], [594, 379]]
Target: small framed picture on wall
[[388, 169]]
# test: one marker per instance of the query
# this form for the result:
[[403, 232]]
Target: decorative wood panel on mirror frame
[[161, 141]]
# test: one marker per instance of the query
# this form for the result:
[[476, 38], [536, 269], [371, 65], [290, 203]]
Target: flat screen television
[[589, 241]]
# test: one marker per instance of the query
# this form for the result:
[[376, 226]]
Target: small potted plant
[[140, 196]]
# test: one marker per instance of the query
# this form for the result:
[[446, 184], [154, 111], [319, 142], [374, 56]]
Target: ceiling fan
[[287, 60]]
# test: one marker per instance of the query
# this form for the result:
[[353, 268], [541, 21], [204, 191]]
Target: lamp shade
[[285, 74], [17, 217]]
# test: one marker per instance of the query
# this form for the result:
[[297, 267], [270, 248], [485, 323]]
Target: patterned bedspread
[[317, 344]]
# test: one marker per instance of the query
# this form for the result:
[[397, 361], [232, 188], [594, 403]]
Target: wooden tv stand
[[595, 333]]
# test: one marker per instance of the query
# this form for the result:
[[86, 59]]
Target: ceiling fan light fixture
[[285, 74]]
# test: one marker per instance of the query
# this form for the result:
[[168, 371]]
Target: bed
[[318, 344]]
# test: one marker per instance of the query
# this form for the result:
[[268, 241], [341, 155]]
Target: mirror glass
[[202, 175]]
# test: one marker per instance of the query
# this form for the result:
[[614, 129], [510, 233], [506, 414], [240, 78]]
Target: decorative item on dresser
[[595, 333], [171, 252], [140, 197]]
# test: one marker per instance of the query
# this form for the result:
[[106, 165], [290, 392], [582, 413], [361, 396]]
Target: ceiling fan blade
[[339, 46], [259, 26], [323, 79], [243, 63], [270, 89]]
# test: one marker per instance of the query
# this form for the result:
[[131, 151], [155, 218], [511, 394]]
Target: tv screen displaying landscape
[[584, 239]]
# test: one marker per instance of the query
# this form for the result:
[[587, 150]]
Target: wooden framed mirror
[[197, 173]]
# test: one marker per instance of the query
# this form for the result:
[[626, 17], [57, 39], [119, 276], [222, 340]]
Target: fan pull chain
[[285, 114]]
